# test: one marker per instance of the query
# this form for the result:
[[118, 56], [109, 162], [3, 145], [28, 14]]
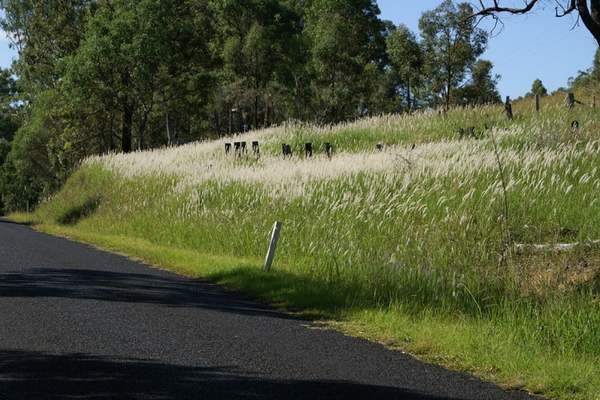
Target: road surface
[[79, 323]]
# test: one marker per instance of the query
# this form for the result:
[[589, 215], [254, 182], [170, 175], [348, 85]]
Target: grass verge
[[489, 348]]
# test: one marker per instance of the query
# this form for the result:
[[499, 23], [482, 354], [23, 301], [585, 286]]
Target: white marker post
[[273, 246]]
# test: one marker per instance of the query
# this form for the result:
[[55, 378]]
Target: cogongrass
[[419, 229]]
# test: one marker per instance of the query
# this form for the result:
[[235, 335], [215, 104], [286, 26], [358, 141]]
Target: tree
[[482, 87], [135, 57], [8, 108], [538, 88], [260, 51], [43, 33], [34, 165], [595, 70], [452, 43], [345, 38], [589, 77], [406, 58], [587, 10]]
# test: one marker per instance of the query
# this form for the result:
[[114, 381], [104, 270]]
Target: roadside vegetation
[[423, 246], [433, 228]]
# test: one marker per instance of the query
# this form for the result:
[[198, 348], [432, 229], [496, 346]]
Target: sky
[[537, 45]]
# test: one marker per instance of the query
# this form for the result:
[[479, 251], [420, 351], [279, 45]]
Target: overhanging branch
[[497, 8]]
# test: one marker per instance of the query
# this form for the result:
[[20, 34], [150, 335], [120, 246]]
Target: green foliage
[[38, 161], [129, 75], [481, 88], [452, 43], [406, 59], [412, 257], [538, 88], [345, 40], [44, 32], [8, 109]]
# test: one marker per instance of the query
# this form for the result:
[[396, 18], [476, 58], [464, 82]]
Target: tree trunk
[[409, 97], [266, 120], [217, 122], [230, 119], [127, 108], [168, 130], [256, 110], [590, 17], [111, 139], [126, 127]]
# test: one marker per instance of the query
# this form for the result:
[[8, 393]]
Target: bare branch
[[588, 11], [496, 8], [565, 11]]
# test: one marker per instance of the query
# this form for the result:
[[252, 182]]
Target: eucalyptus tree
[[538, 88], [133, 59], [452, 43], [481, 88], [347, 46], [43, 33], [261, 49], [406, 59]]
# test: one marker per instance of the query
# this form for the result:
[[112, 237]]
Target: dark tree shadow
[[78, 212], [128, 288], [31, 375]]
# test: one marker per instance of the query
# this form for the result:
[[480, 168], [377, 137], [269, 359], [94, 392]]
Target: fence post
[[272, 246], [227, 148], [537, 103], [570, 100], [308, 150], [329, 150], [508, 108]]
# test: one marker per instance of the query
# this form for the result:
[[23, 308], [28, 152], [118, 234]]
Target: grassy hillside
[[423, 246]]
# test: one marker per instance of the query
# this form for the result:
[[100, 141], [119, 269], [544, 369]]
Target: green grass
[[414, 256], [491, 349]]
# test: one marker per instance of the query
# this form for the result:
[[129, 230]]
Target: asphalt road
[[79, 323]]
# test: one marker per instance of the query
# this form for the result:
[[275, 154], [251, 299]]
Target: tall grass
[[416, 232]]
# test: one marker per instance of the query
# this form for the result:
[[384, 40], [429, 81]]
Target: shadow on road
[[129, 288], [3, 220], [29, 375]]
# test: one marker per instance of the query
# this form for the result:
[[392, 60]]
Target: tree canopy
[[124, 75]]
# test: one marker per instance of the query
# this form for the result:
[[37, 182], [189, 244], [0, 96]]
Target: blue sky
[[529, 47], [534, 46]]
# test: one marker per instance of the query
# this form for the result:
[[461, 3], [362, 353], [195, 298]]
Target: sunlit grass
[[412, 245]]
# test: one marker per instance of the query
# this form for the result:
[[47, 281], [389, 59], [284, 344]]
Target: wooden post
[[308, 150], [242, 148], [286, 150], [594, 101], [537, 103], [237, 148], [329, 150], [575, 127], [227, 148], [570, 100], [272, 246], [508, 108]]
